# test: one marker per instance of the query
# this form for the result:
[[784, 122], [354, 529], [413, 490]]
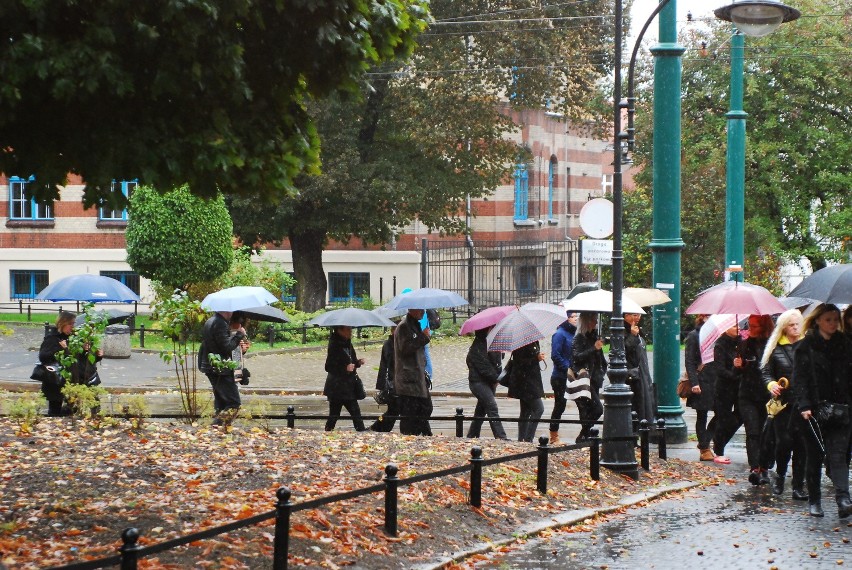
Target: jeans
[[531, 411], [351, 406], [486, 405], [559, 401]]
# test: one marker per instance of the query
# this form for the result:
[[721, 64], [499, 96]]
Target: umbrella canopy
[[266, 313], [737, 298], [532, 322], [351, 317], [829, 285], [389, 313], [599, 301], [486, 318], [426, 298], [112, 316], [646, 296], [714, 327], [583, 288], [88, 288], [237, 299], [795, 302]]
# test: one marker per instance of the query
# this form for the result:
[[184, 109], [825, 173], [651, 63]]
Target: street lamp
[[754, 18]]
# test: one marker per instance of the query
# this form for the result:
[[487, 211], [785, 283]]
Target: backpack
[[434, 319]]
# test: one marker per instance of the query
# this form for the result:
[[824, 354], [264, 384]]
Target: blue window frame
[[288, 295], [522, 191], [26, 283], [550, 173], [129, 278], [348, 286], [23, 206], [109, 215]]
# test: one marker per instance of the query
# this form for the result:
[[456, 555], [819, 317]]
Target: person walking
[[483, 368], [822, 373], [588, 358], [781, 438], [752, 395], [703, 384], [217, 338], [412, 389], [525, 384], [638, 371], [561, 351], [384, 384], [725, 402], [343, 386]]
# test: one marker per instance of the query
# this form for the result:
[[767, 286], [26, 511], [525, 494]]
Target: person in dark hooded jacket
[[753, 396], [483, 369], [703, 384], [384, 383], [561, 351], [525, 384], [638, 371], [588, 355], [343, 387]]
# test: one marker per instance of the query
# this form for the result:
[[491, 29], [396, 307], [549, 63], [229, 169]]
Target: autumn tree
[[171, 92], [177, 238], [431, 130]]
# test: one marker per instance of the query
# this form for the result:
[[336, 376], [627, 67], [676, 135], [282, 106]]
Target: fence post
[[29, 313], [282, 529], [21, 308], [476, 476], [459, 422], [46, 328], [644, 451], [391, 486], [541, 476], [142, 335], [661, 437], [304, 333], [595, 455], [129, 548], [270, 335], [291, 417], [634, 419]]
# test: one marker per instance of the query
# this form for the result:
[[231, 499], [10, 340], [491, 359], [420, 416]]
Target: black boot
[[815, 510], [778, 485], [844, 507], [799, 493]]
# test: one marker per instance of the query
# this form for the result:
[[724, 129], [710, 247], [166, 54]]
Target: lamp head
[[757, 18]]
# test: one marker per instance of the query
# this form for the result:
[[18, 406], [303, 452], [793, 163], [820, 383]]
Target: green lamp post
[[754, 18]]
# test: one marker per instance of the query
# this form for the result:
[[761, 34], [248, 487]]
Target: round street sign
[[596, 218]]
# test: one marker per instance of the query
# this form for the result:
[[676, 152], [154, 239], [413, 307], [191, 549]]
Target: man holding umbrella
[[412, 390], [217, 339]]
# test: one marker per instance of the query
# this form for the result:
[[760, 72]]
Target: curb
[[567, 518]]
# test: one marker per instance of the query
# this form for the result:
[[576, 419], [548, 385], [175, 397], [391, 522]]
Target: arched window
[[522, 191], [551, 174]]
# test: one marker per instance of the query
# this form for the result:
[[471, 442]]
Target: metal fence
[[489, 273]]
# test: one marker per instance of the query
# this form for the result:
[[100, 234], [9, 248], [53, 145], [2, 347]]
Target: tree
[[172, 92], [430, 131], [177, 238]]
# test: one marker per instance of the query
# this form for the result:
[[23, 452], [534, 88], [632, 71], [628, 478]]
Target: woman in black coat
[[703, 383], [781, 438], [384, 383], [823, 373], [483, 369], [753, 395], [343, 388], [588, 355], [725, 403], [525, 384]]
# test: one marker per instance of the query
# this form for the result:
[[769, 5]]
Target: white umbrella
[[646, 296], [237, 298], [351, 317], [599, 301], [714, 327], [426, 298]]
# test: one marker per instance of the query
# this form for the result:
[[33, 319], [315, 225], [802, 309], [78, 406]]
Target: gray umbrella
[[829, 285], [351, 317], [113, 316], [266, 313], [426, 298]]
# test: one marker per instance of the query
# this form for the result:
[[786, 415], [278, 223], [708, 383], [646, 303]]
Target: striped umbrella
[[532, 322]]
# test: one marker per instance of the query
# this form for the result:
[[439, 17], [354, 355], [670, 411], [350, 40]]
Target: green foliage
[[206, 93], [221, 364], [26, 410], [246, 271], [177, 238], [257, 410], [84, 401], [135, 409], [83, 343]]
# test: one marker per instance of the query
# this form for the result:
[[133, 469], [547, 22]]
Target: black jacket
[[752, 386], [216, 338], [588, 357], [410, 359], [780, 365], [384, 379], [81, 371], [341, 384], [822, 370], [698, 374], [525, 382], [482, 365]]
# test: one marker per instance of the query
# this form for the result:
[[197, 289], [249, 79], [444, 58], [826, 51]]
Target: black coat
[[384, 379], [216, 338], [588, 357], [525, 375], [341, 384], [752, 386], [410, 359], [698, 374], [822, 370], [81, 371], [724, 351], [780, 365], [482, 365]]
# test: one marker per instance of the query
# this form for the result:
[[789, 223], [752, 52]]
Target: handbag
[[48, 374], [504, 379], [360, 394], [832, 413], [684, 388]]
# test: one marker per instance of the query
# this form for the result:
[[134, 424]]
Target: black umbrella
[[266, 313], [113, 316], [829, 285], [584, 287]]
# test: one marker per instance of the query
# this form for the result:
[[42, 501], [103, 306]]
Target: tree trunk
[[311, 284]]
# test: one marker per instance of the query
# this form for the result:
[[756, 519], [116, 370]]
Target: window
[[128, 278], [606, 184], [348, 286], [126, 187], [556, 274], [22, 206], [526, 280], [522, 190], [27, 283], [550, 174]]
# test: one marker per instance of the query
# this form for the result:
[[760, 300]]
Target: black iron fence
[[131, 552]]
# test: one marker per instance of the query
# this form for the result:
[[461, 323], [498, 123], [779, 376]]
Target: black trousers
[[753, 415], [727, 414], [226, 392], [590, 410], [559, 402], [836, 442], [415, 414], [334, 407], [781, 440], [388, 419], [703, 430]]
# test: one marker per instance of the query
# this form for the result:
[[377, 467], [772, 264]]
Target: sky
[[643, 8]]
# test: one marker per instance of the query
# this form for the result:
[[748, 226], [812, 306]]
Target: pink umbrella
[[711, 330], [737, 298], [486, 318]]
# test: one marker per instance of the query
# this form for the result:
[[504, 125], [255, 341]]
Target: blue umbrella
[[426, 298], [88, 288], [237, 298]]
